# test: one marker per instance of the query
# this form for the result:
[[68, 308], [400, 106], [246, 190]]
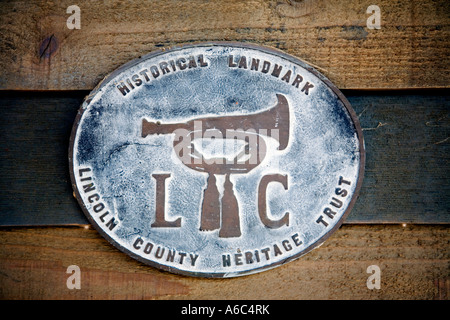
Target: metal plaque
[[217, 159]]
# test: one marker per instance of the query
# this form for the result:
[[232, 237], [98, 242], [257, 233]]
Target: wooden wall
[[396, 79]]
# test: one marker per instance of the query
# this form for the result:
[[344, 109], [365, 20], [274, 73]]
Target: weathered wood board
[[414, 263], [407, 167], [410, 50]]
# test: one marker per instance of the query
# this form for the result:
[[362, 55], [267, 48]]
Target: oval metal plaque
[[216, 160]]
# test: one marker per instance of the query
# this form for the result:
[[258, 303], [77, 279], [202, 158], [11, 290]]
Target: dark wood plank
[[406, 137], [409, 51], [414, 263], [35, 184]]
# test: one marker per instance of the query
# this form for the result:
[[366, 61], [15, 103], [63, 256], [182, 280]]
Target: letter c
[[137, 244], [262, 205]]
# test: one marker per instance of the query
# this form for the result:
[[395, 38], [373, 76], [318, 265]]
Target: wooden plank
[[35, 185], [407, 166], [414, 263], [410, 50], [407, 158]]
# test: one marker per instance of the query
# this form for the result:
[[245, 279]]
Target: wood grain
[[35, 133], [410, 50], [414, 263], [407, 163], [407, 158]]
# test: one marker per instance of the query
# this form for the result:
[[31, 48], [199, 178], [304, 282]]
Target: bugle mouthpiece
[[149, 127]]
